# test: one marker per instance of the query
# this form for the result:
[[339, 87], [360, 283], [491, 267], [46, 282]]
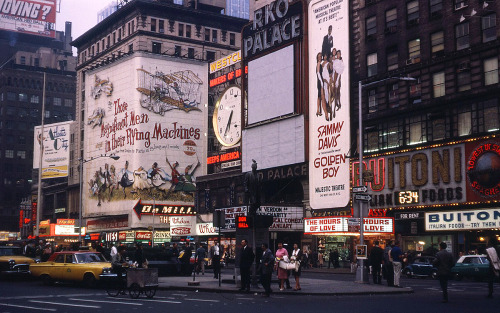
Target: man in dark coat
[[376, 258], [493, 254], [326, 47], [444, 262], [216, 252], [246, 261], [388, 269], [266, 269]]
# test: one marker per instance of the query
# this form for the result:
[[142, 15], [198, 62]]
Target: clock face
[[227, 117]]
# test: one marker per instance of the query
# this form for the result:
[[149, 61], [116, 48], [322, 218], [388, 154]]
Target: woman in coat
[[282, 273], [297, 257]]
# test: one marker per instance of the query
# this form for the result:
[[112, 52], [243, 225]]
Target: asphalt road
[[32, 296]]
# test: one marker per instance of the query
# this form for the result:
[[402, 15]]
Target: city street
[[32, 296]]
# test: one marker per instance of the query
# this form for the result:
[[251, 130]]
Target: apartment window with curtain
[[436, 6], [371, 26], [439, 128], [462, 36], [372, 101], [463, 79], [188, 31], [392, 59], [464, 123], [153, 25], [491, 71], [372, 64], [437, 42], [392, 135], [161, 26], [491, 115], [371, 143], [412, 11], [391, 19], [489, 27], [415, 130], [416, 90], [393, 95], [414, 50], [438, 87], [214, 35], [180, 29], [207, 34]]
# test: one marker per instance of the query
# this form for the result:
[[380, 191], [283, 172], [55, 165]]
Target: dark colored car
[[471, 266], [421, 267]]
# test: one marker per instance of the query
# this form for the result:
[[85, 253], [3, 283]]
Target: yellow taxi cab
[[13, 262], [78, 266]]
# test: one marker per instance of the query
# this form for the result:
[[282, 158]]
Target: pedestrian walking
[[330, 259], [185, 259], [297, 257], [114, 251], [444, 262], [336, 259], [266, 269], [376, 259], [388, 268], [216, 252], [246, 260], [199, 259], [282, 273], [395, 257], [321, 260], [493, 254]]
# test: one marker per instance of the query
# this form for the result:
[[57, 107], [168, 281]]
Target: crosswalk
[[89, 302]]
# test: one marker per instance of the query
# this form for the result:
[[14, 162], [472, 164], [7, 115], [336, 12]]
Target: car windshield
[[10, 251], [89, 258]]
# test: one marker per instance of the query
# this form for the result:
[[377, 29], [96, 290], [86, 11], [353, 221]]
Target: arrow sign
[[362, 197], [359, 189]]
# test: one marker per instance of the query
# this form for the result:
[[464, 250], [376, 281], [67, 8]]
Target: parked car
[[471, 266], [421, 267], [78, 266], [12, 261]]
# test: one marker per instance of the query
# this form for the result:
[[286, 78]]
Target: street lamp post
[[361, 269], [82, 161]]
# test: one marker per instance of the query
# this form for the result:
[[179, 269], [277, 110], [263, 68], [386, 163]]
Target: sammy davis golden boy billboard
[[329, 126], [150, 113]]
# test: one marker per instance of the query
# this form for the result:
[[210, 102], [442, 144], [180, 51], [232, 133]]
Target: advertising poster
[[483, 170], [183, 226], [56, 139], [151, 113], [462, 220], [329, 122], [36, 17]]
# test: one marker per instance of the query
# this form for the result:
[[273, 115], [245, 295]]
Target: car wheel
[[89, 280], [408, 273], [47, 280]]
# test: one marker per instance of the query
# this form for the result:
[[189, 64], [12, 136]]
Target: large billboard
[[56, 141], [329, 119], [150, 112], [36, 17]]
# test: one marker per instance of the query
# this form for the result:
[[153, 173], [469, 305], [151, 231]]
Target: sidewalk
[[310, 286]]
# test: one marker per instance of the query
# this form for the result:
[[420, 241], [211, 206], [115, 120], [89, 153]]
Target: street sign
[[359, 189], [362, 197]]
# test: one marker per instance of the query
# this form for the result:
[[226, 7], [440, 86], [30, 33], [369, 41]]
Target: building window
[[188, 31], [191, 53], [372, 138], [392, 60], [210, 56], [23, 60], [131, 48], [391, 19], [414, 50], [392, 135], [488, 26], [416, 130], [491, 71], [462, 36], [9, 154], [460, 4], [11, 111], [37, 62], [207, 34], [372, 101], [156, 47], [371, 26], [393, 94], [153, 25], [438, 87], [161, 26], [23, 97], [21, 140], [463, 80], [177, 51], [412, 12], [436, 7], [372, 64], [21, 154], [180, 30], [232, 39], [491, 116], [11, 96], [47, 114], [437, 42], [57, 101], [464, 124], [438, 131], [68, 103], [214, 35]]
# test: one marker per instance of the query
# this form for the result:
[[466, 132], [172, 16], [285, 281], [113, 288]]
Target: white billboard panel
[[36, 17], [56, 140], [329, 123], [276, 144], [462, 220], [270, 86], [151, 112]]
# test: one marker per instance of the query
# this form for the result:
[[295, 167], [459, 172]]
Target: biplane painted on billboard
[[151, 113], [36, 17]]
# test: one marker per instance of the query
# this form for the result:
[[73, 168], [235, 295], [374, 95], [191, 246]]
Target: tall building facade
[[25, 58], [142, 96], [432, 143]]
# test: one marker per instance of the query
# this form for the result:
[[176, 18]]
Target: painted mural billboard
[[35, 17], [56, 142], [151, 113], [329, 122]]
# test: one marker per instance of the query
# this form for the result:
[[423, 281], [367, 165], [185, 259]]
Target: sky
[[82, 14]]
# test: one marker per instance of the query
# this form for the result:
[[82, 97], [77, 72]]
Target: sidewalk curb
[[406, 290]]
